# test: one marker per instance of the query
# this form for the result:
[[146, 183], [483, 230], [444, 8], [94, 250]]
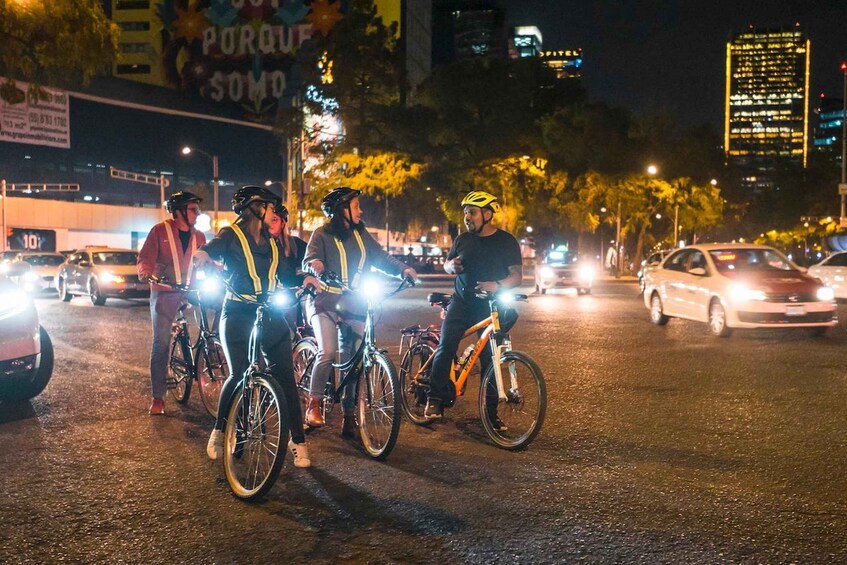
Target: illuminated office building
[[827, 134], [767, 97], [467, 29], [566, 63], [524, 42]]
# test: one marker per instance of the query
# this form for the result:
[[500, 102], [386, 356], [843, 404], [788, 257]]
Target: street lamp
[[652, 170], [283, 184], [843, 187], [215, 180]]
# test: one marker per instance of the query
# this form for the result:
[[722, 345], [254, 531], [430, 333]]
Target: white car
[[737, 286], [42, 274], [562, 269], [26, 352], [651, 262], [832, 271]]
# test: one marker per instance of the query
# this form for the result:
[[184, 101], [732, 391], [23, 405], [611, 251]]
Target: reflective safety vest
[[169, 229], [251, 265], [345, 275]]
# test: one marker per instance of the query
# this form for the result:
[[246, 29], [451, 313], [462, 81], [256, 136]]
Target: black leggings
[[236, 326]]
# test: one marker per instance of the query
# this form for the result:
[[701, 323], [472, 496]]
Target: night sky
[[650, 55]]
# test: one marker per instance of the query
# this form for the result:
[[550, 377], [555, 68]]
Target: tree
[[58, 43]]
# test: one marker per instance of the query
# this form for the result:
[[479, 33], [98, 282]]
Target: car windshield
[[114, 258], [44, 260], [747, 260]]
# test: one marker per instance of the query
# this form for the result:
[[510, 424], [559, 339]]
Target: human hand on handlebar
[[454, 266], [487, 286], [202, 259], [410, 274], [317, 267], [312, 282]]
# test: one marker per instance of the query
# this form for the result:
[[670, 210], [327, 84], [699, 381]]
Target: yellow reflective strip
[[361, 258], [248, 257], [342, 255], [174, 256], [274, 265]]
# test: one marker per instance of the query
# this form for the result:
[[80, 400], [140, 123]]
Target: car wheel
[[543, 291], [62, 287], [717, 319], [31, 387], [97, 297], [657, 312]]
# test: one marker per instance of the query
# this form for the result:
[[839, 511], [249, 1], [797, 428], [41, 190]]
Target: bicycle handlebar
[[331, 278]]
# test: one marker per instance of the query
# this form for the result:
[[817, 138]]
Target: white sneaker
[[216, 444], [301, 454]]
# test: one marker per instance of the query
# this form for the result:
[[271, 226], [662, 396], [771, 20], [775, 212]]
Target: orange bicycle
[[513, 376]]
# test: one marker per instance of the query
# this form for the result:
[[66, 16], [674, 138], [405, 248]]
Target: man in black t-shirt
[[484, 259]]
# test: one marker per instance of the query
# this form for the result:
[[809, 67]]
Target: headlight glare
[[547, 273], [371, 288], [825, 294], [742, 293], [586, 273]]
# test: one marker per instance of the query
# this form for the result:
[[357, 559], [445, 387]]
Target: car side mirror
[[699, 271]]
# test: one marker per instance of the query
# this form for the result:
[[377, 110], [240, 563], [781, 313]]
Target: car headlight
[[111, 278], [586, 273], [547, 273], [741, 293], [13, 302], [825, 294], [30, 277]]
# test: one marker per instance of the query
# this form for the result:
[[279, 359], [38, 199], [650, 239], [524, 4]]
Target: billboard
[[34, 116]]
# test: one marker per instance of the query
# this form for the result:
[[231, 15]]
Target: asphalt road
[[660, 445]]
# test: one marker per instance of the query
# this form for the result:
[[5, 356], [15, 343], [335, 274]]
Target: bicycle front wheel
[[305, 351], [212, 372], [378, 403], [255, 438], [513, 423], [179, 370], [414, 385]]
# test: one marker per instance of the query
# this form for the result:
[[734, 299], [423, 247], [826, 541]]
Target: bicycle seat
[[439, 299]]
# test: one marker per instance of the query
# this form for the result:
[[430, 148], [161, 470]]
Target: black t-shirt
[[484, 259], [185, 239]]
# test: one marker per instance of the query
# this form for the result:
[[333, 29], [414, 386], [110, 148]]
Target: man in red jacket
[[167, 253]]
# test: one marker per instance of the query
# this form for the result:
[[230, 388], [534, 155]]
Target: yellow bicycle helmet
[[481, 199]]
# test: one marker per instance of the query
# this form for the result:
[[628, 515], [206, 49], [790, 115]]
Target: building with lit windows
[[566, 63], [415, 26], [467, 29], [827, 133], [525, 41], [767, 97]]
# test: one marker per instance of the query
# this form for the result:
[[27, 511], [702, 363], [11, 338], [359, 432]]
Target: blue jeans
[[333, 335], [163, 308]]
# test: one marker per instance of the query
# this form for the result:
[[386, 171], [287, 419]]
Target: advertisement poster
[[35, 117]]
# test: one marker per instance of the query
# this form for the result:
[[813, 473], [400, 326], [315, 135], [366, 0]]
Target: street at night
[[661, 444]]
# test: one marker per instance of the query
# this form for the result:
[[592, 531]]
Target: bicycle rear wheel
[[179, 370], [305, 351], [212, 372], [255, 438], [414, 386], [512, 424], [378, 404]]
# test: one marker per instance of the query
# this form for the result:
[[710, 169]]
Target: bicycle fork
[[500, 346]]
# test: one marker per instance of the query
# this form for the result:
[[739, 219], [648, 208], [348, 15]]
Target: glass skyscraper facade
[[767, 96]]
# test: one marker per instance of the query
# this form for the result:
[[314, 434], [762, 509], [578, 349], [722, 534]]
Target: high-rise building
[[566, 63], [767, 97], [466, 29], [827, 133], [525, 41], [415, 26]]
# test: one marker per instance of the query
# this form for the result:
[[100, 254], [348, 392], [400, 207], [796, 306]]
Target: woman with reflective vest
[[344, 247], [252, 265], [167, 253], [291, 249]]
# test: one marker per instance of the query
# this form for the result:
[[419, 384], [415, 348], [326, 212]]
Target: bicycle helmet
[[246, 195], [481, 199], [336, 198], [180, 200], [281, 211]]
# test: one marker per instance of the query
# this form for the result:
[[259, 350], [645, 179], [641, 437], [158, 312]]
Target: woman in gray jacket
[[344, 247]]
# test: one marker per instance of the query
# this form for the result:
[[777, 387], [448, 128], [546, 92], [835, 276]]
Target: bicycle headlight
[[211, 285], [282, 299], [371, 288], [506, 297]]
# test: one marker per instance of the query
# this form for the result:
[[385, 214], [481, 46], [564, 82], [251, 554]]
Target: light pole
[[843, 186], [215, 180], [283, 184]]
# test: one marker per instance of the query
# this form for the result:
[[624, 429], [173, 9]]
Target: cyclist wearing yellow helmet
[[484, 259]]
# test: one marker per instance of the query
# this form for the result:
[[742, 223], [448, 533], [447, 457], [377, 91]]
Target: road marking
[[89, 355]]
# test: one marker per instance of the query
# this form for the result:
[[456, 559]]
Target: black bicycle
[[256, 430], [204, 361], [378, 393]]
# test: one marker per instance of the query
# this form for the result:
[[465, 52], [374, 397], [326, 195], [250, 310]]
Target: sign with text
[[34, 116], [31, 239]]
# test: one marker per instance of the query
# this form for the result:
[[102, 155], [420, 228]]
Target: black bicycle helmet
[[281, 211], [180, 200], [246, 195], [337, 197]]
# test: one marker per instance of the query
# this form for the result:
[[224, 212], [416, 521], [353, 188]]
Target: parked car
[[44, 266], [100, 273], [26, 352], [737, 286], [832, 271], [651, 262], [560, 268]]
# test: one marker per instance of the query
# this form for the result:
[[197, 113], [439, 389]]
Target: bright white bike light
[[211, 285], [371, 288], [507, 297], [282, 299]]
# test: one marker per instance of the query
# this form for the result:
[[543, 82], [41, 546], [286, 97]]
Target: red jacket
[[156, 257]]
